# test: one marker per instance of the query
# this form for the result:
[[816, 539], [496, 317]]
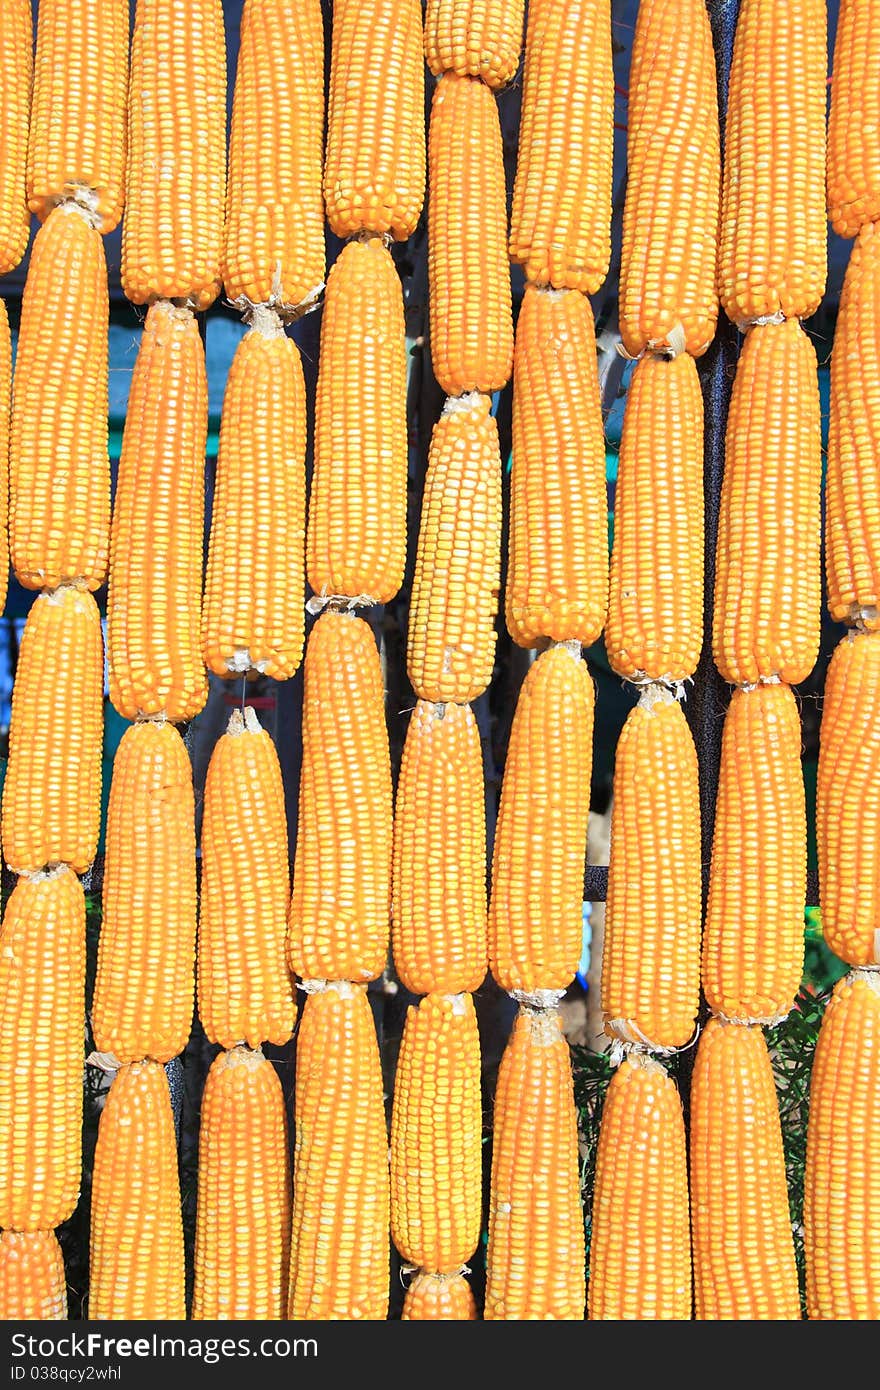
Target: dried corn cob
[[5, 422], [42, 1027], [252, 613], [52, 790], [557, 572], [356, 540], [339, 1254], [476, 38], [853, 159], [32, 1282], [16, 72], [438, 1298], [59, 467]]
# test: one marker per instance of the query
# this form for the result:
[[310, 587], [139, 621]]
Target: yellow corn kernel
[[356, 540], [5, 422], [340, 908], [143, 998], [253, 612], [438, 921], [454, 598], [59, 466], [172, 232], [32, 1282], [768, 587], [52, 791], [16, 73], [244, 1200], [136, 1247], [42, 1032], [438, 1298], [853, 159], [653, 916], [535, 1255], [339, 1253], [557, 570], [560, 223], [841, 1235], [274, 234], [470, 304], [741, 1230], [474, 38], [154, 595], [374, 164], [654, 629], [753, 937], [540, 849]]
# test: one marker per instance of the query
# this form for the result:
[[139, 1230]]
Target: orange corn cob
[[243, 1210], [557, 572], [540, 850], [454, 598], [136, 1244], [339, 923], [143, 998], [253, 614], [32, 1282], [470, 305], [438, 1298], [42, 1029], [339, 1254], [77, 137], [155, 590], [274, 235], [753, 939], [535, 1255], [743, 1252], [841, 1182], [5, 422], [374, 165], [438, 923], [52, 790], [356, 540], [772, 251], [59, 467], [476, 38], [655, 611], [640, 1246], [853, 158], [172, 233], [16, 72], [653, 916], [560, 223], [768, 587], [436, 1135]]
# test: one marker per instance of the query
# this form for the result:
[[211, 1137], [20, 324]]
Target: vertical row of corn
[[841, 1228]]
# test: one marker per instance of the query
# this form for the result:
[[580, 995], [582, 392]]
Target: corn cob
[[340, 922], [76, 146], [253, 614], [470, 304], [772, 250], [156, 539], [136, 1239], [374, 164], [243, 1208], [540, 849], [42, 1023], [477, 38], [143, 998], [356, 540], [753, 938], [654, 629], [274, 234], [535, 1255], [438, 1298], [557, 571], [32, 1282], [52, 791], [651, 956], [5, 422], [560, 224], [640, 1246], [768, 588], [853, 159], [841, 1233], [743, 1251], [172, 232], [339, 1254], [454, 598], [59, 467], [16, 73], [438, 922]]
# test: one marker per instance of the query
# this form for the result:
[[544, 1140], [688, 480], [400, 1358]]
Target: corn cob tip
[[244, 721], [265, 319], [538, 1000]]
